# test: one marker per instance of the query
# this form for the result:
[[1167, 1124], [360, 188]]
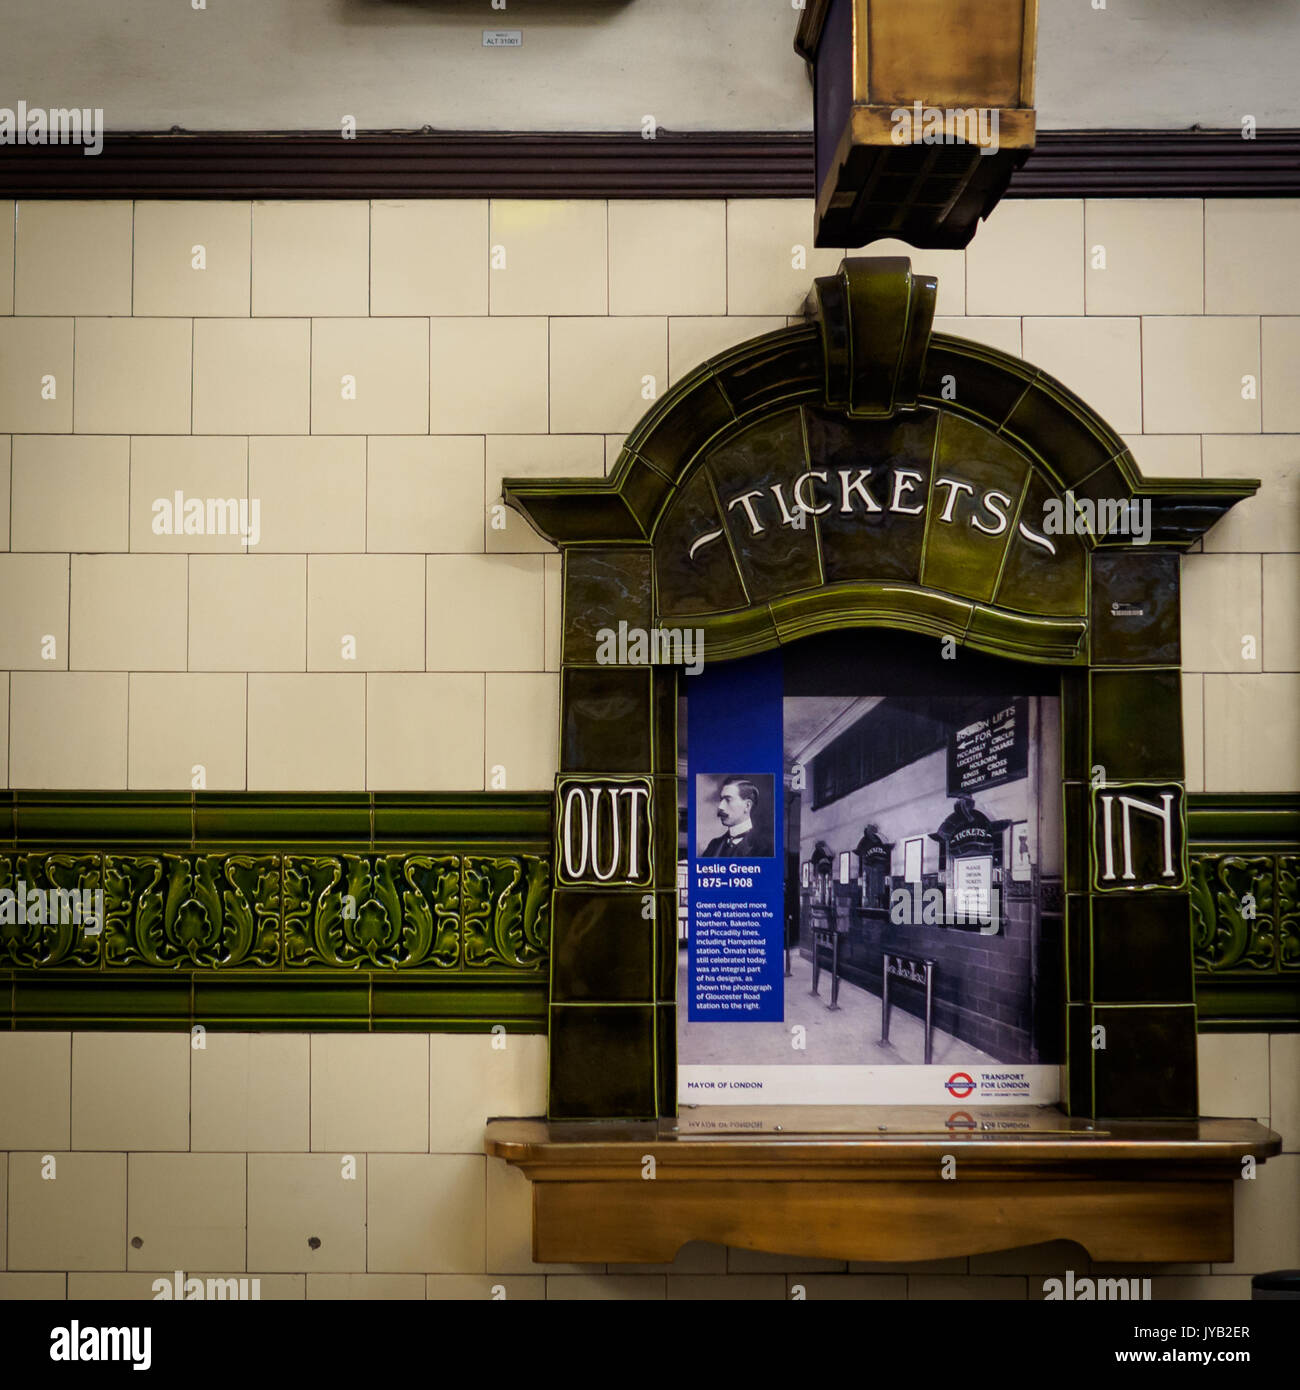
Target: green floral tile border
[[360, 912]]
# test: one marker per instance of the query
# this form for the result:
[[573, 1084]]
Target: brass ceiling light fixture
[[923, 109]]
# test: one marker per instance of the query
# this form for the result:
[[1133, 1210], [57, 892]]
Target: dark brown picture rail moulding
[[1142, 164]]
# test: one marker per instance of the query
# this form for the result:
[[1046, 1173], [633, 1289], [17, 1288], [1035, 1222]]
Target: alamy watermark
[[1095, 1290], [655, 646], [179, 515], [53, 125], [1102, 516], [919, 124], [53, 906]]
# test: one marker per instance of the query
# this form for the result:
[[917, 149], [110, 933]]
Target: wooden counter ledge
[[869, 1183]]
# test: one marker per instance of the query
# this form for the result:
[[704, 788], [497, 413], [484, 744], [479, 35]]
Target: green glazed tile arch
[[868, 357]]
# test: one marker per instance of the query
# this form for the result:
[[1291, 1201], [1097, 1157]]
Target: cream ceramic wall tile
[[1166, 455], [1284, 1088], [294, 1199], [1222, 613], [252, 376], [33, 1287], [667, 256], [4, 730], [133, 376], [1144, 256], [1028, 258], [131, 1091], [472, 1080], [510, 1224], [425, 1213], [966, 1287], [370, 1091], [1194, 371], [69, 493], [6, 255], [1281, 612], [948, 267], [1233, 1073], [1194, 731], [6, 491], [533, 456], [191, 259], [33, 610], [128, 613], [1266, 1219], [429, 256], [554, 589], [36, 376], [312, 493], [465, 1288], [179, 723], [250, 1091], [1003, 334], [73, 257], [485, 612], [424, 732], [521, 742], [548, 257], [306, 732], [248, 613], [4, 1209], [35, 1086], [1250, 265], [376, 601], [606, 373], [1280, 349], [67, 729], [424, 494], [847, 1286], [311, 258], [186, 1210], [369, 376], [76, 1220], [1269, 521], [746, 1287], [606, 1287], [1098, 359], [1248, 747], [385, 1287], [207, 469], [692, 341], [771, 260], [120, 1288], [488, 375]]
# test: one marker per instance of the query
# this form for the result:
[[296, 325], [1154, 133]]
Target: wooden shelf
[[868, 1183]]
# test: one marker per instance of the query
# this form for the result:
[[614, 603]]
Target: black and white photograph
[[734, 812]]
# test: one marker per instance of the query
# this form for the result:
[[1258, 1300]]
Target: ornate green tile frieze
[[1245, 899], [258, 911]]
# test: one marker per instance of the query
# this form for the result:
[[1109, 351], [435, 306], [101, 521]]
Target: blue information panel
[[735, 816]]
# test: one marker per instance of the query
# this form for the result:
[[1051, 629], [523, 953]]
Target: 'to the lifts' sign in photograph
[[604, 832]]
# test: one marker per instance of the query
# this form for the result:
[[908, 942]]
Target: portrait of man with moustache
[[746, 834]]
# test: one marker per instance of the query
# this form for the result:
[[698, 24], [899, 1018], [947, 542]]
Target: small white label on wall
[[503, 38]]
